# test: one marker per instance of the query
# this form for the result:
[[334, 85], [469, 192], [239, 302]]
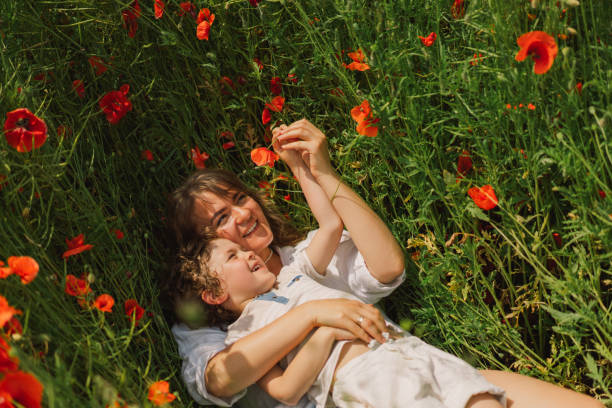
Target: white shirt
[[347, 272]]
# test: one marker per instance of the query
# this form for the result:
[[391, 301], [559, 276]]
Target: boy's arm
[[290, 385], [323, 246]]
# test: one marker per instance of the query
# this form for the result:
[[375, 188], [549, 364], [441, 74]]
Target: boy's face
[[243, 274]]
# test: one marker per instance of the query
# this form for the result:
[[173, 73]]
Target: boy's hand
[[291, 157]]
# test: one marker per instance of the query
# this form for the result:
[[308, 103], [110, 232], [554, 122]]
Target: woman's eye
[[241, 198], [221, 220], [232, 255]]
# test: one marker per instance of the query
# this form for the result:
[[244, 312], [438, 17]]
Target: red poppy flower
[[262, 156], [464, 164], [293, 78], [5, 271], [13, 326], [76, 287], [133, 309], [159, 7], [104, 303], [97, 64], [362, 114], [199, 158], [24, 131], [187, 7], [146, 155], [484, 197], [277, 103], [7, 363], [23, 266], [76, 245], [429, 40], [258, 63], [159, 393], [602, 194], [541, 47], [287, 197], [227, 134], [458, 9], [579, 87], [130, 18], [254, 3], [227, 85], [228, 145], [531, 106], [118, 233], [357, 65], [204, 21], [6, 311], [275, 86], [79, 87], [115, 104], [476, 59], [264, 185], [23, 388]]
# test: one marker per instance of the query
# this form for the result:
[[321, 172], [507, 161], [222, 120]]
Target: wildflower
[[226, 85], [429, 40], [23, 266], [187, 7], [97, 64], [579, 87], [357, 65], [508, 106], [159, 7], [254, 3], [104, 303], [484, 197], [146, 155], [13, 326], [258, 63], [130, 19], [115, 104], [362, 114], [293, 78], [7, 363], [275, 86], [76, 287], [24, 131], [227, 134], [241, 80], [476, 59], [541, 47], [6, 311], [464, 164], [262, 156], [21, 387], [558, 240], [602, 194], [277, 103], [287, 197], [199, 158], [204, 21], [530, 106], [228, 145], [458, 9], [118, 233], [159, 393], [76, 245], [133, 309], [79, 87]]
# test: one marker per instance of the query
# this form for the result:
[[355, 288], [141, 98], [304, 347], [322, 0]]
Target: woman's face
[[236, 217]]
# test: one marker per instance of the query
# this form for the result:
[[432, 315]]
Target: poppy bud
[[572, 3], [571, 31]]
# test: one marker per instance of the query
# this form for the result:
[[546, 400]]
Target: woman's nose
[[241, 214]]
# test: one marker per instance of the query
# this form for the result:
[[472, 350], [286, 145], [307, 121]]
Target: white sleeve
[[196, 348], [348, 271]]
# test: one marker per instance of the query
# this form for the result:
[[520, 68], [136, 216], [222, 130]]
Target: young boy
[[401, 372]]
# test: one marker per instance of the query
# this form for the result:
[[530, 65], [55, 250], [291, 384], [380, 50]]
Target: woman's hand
[[305, 138], [363, 321], [291, 157]]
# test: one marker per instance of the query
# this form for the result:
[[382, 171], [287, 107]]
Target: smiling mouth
[[250, 230]]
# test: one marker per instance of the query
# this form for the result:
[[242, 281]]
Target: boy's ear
[[211, 299]]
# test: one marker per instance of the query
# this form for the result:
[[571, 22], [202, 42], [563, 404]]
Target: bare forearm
[[289, 386], [380, 250], [247, 360], [325, 242]]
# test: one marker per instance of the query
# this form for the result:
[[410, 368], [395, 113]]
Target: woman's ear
[[212, 299]]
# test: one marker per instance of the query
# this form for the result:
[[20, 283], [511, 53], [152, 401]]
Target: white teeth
[[251, 229]]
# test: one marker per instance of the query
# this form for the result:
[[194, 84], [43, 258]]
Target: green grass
[[547, 313]]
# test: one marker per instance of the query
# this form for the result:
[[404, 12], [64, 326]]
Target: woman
[[219, 375]]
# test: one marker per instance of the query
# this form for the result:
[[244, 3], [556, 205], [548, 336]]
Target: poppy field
[[478, 130]]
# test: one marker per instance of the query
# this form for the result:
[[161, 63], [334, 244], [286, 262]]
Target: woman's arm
[[248, 359], [371, 236], [289, 385]]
